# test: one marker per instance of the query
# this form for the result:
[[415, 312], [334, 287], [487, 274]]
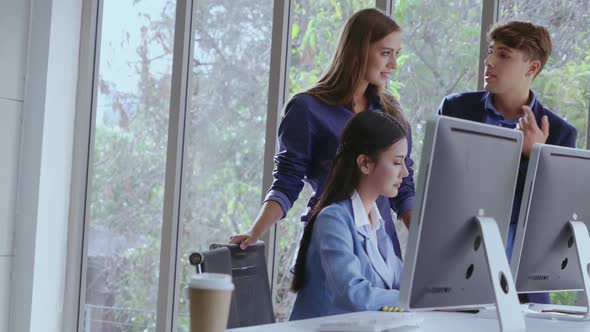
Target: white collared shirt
[[361, 217], [373, 220]]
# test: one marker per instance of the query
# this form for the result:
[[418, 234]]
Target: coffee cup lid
[[209, 280]]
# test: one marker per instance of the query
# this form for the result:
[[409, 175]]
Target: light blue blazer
[[339, 276]]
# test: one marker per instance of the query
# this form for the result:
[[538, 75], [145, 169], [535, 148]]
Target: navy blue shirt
[[309, 135], [478, 106]]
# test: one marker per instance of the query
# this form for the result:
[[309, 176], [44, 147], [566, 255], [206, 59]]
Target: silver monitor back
[[467, 169], [557, 190]]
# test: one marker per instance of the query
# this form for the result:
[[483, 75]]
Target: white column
[[14, 30], [38, 267]]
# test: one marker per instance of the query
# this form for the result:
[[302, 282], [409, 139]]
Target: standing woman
[[310, 131]]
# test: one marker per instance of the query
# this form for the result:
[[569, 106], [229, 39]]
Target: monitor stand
[[582, 243], [507, 305], [581, 240]]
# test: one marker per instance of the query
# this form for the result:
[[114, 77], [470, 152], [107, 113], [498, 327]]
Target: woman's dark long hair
[[368, 133]]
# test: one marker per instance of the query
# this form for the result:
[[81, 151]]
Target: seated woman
[[346, 261]]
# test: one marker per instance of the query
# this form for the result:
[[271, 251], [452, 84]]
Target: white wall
[[14, 30], [37, 96]]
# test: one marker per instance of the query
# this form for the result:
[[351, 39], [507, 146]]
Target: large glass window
[[564, 84], [226, 122], [439, 56], [124, 229], [225, 126]]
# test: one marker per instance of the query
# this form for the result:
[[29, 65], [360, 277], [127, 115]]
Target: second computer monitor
[[467, 170], [557, 191]]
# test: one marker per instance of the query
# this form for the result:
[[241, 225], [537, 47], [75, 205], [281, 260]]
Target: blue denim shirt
[[479, 107], [309, 135], [341, 274]]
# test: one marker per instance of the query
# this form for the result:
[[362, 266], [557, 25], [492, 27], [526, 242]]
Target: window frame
[[82, 161]]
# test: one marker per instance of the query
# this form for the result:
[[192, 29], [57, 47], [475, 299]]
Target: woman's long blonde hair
[[340, 80]]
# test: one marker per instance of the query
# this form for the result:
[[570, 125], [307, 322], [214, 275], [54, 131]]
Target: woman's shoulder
[[341, 211], [336, 218], [307, 101]]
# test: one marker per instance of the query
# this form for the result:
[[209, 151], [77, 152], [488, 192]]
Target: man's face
[[508, 69]]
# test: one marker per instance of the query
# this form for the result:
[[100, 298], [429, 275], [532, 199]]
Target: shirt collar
[[360, 214], [491, 108]]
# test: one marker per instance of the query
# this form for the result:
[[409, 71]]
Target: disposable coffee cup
[[210, 298]]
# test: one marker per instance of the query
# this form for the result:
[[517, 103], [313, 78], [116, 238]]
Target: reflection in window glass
[[128, 165], [439, 56], [225, 126], [564, 84], [314, 35]]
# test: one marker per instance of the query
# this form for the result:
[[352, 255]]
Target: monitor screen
[[557, 191], [467, 170]]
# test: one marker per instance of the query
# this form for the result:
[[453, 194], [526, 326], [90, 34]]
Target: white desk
[[432, 321]]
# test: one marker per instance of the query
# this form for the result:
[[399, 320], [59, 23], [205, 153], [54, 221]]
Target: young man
[[517, 53]]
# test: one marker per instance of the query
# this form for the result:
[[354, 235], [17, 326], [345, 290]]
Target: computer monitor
[[551, 246], [455, 257]]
